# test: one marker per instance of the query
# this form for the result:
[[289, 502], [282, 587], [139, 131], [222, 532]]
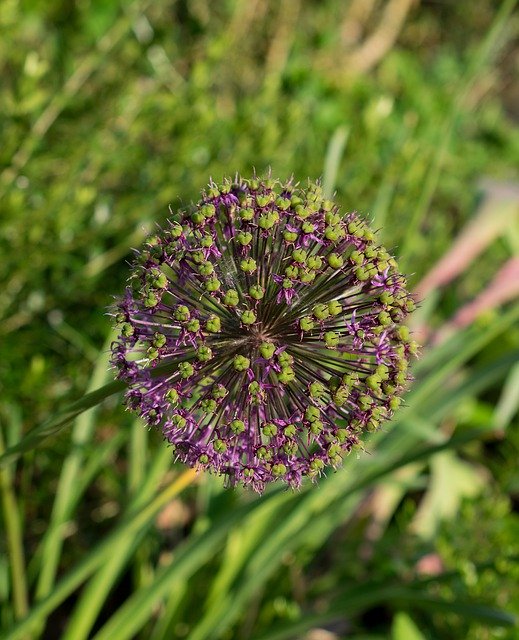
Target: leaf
[[333, 157], [451, 481], [95, 558], [495, 215], [403, 628], [508, 402], [355, 599], [54, 424]]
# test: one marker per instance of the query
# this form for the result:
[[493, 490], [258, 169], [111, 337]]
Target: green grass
[[112, 111]]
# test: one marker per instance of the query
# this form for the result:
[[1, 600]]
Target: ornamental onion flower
[[262, 332]]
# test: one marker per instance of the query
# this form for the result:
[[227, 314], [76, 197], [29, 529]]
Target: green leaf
[[135, 521], [452, 480], [53, 425], [333, 158], [508, 403], [403, 628]]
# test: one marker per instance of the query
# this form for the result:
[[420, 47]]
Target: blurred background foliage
[[112, 111]]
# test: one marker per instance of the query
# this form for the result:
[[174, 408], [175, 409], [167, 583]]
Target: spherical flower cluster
[[262, 332]]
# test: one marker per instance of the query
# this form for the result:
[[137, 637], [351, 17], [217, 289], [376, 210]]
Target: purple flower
[[262, 332]]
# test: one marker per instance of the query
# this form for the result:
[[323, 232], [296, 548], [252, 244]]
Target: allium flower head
[[261, 332]]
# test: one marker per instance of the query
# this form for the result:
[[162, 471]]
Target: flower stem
[[14, 540]]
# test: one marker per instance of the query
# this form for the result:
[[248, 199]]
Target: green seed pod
[[152, 353], [332, 218], [193, 325], [185, 369], [299, 255], [357, 257], [176, 230], [206, 241], [384, 318], [307, 227], [206, 269], [335, 261], [254, 387], [181, 313], [279, 469], [321, 311], [267, 350], [151, 300], [159, 340], [282, 203], [204, 353], [197, 256], [246, 214], [341, 396], [290, 431], [373, 382], [266, 221], [212, 284], [316, 427], [161, 281], [231, 298], [178, 420], [394, 403], [316, 466], [314, 262], [302, 212], [237, 426], [287, 283], [286, 375], [208, 210], [256, 291], [285, 359], [327, 205], [306, 323], [208, 405], [172, 396], [262, 201], [317, 390], [248, 317], [263, 453], [312, 413], [241, 363], [292, 272], [248, 265], [244, 238], [331, 339], [127, 330], [361, 274], [219, 446], [197, 218], [269, 430], [213, 324], [307, 277], [334, 308]]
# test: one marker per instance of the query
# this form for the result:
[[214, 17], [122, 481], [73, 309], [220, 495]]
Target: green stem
[[14, 541]]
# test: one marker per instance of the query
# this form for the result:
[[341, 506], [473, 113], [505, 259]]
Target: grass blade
[[54, 424], [96, 557]]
